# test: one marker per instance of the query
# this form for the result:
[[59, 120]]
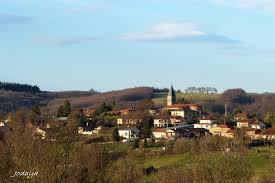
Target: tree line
[[19, 87], [201, 90]]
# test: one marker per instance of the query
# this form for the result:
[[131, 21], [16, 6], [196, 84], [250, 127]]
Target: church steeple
[[171, 98]]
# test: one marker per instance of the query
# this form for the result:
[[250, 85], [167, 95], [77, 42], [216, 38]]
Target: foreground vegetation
[[71, 158]]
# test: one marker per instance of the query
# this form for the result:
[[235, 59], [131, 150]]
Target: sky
[[115, 44]]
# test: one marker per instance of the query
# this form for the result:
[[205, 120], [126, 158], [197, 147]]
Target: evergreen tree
[[116, 136]]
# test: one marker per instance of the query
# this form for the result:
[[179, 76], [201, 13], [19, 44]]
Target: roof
[[172, 92], [128, 129], [195, 129], [159, 130], [223, 126], [270, 131], [184, 106], [161, 117], [230, 131], [207, 118]]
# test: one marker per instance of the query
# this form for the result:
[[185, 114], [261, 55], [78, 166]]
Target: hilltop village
[[189, 121], [169, 122], [145, 142]]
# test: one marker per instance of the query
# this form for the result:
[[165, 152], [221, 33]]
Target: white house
[[161, 121], [167, 134], [242, 124], [2, 124], [40, 132], [206, 123], [208, 120], [85, 131], [258, 125], [128, 133]]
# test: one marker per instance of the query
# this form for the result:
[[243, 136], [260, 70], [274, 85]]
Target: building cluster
[[188, 120]]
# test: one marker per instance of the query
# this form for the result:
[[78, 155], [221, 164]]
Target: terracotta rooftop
[[184, 106], [207, 118], [270, 131], [159, 130]]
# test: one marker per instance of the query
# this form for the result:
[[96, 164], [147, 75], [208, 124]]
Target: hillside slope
[[120, 96]]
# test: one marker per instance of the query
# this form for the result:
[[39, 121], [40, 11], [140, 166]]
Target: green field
[[259, 161], [160, 97]]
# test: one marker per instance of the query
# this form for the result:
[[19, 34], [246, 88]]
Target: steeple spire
[[171, 98]]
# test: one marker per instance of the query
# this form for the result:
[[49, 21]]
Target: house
[[177, 120], [40, 132], [230, 134], [252, 133], [161, 121], [204, 125], [207, 120], [86, 130], [88, 112], [241, 116], [258, 125], [128, 121], [128, 133], [243, 124], [220, 130], [126, 111], [269, 134], [2, 124], [167, 134], [193, 132]]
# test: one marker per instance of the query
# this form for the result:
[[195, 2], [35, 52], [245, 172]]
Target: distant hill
[[125, 96], [16, 87], [13, 100]]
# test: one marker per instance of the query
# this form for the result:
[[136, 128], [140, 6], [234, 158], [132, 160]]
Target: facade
[[243, 124], [193, 132], [128, 121], [167, 134], [258, 125], [171, 98], [128, 133], [220, 130], [204, 125], [161, 121], [208, 120]]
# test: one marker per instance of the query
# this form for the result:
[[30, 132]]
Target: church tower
[[171, 98]]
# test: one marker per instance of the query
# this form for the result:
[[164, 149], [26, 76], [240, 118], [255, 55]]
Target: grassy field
[[160, 97], [259, 160]]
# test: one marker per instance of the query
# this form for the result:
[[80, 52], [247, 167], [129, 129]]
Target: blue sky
[[115, 44]]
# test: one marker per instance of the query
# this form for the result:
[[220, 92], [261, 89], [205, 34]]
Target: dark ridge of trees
[[72, 94], [19, 87], [158, 90], [237, 96], [201, 90]]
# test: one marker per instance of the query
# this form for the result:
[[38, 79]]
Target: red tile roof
[[159, 130], [184, 106], [207, 118], [270, 131]]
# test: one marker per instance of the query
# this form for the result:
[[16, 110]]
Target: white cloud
[[177, 31], [166, 30]]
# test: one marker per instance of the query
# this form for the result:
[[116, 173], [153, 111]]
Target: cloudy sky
[[115, 44]]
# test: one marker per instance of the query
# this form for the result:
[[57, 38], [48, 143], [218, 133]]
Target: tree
[[67, 108], [64, 110], [270, 118], [36, 110], [116, 136], [75, 120], [103, 107], [182, 101]]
